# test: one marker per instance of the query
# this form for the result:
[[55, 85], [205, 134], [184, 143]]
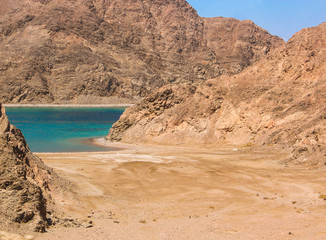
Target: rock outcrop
[[113, 51], [281, 100], [25, 182]]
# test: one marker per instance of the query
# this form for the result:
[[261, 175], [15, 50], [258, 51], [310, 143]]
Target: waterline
[[57, 129], [70, 105]]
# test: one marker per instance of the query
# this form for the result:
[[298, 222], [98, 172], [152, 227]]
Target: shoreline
[[100, 142], [69, 105]]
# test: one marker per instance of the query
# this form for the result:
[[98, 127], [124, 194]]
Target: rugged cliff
[[109, 51], [25, 182], [281, 100]]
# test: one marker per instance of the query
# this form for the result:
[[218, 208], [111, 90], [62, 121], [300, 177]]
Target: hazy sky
[[280, 17]]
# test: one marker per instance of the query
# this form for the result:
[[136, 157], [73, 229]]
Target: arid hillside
[[27, 185], [279, 101], [112, 51]]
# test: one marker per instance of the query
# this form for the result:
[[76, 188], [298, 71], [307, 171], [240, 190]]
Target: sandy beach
[[189, 192]]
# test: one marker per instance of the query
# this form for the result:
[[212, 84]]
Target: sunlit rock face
[[279, 101], [111, 51], [25, 182]]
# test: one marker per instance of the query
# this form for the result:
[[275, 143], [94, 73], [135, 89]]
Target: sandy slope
[[159, 192]]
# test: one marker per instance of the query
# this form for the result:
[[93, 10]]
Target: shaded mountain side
[[26, 183], [106, 51], [280, 100]]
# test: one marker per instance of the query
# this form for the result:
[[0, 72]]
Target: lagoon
[[60, 129]]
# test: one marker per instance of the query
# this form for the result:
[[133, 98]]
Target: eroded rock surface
[[281, 100], [113, 51], [25, 182]]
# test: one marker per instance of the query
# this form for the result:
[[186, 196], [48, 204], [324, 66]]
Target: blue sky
[[280, 17]]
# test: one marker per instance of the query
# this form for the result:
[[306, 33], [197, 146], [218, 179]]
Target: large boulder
[[25, 181]]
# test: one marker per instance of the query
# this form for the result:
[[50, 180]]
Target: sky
[[280, 17]]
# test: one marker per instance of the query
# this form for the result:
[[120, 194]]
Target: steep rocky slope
[[25, 182], [106, 51], [279, 100]]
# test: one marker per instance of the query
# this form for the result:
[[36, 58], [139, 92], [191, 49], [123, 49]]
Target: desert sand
[[188, 192]]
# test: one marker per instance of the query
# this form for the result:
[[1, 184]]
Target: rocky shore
[[279, 101], [28, 188], [224, 136]]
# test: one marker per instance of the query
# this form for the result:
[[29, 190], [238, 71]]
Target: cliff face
[[279, 100], [106, 51], [24, 181], [237, 44]]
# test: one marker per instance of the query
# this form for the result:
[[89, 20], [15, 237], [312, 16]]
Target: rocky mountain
[[110, 51], [25, 182], [279, 101]]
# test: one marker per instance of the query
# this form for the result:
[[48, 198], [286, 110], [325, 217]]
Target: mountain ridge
[[108, 51], [278, 101]]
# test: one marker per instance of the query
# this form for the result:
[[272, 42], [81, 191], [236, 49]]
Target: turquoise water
[[63, 129]]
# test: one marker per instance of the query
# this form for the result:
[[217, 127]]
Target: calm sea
[[63, 129]]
